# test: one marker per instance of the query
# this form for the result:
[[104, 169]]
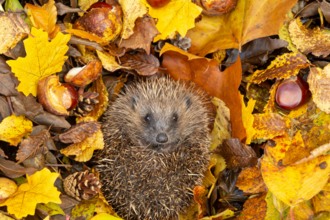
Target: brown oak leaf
[[79, 132], [141, 62]]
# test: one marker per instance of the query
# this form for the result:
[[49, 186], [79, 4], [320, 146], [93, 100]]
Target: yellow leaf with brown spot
[[13, 129], [108, 61], [38, 189], [309, 40], [254, 208], [282, 67], [248, 21], [132, 10], [299, 182], [319, 81], [248, 119], [12, 29], [177, 16], [277, 153], [222, 127], [270, 107], [321, 201], [250, 181], [85, 149], [43, 58], [268, 126]]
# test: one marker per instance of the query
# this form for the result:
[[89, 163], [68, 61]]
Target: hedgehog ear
[[133, 103], [188, 102]]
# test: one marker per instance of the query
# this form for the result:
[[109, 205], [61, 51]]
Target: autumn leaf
[[37, 15], [243, 24], [108, 61], [268, 126], [13, 29], [177, 16], [13, 129], [254, 208], [170, 47], [318, 80], [84, 34], [52, 16], [250, 181], [105, 216], [79, 132], [248, 119], [143, 63], [43, 58], [131, 11], [39, 189], [292, 184], [307, 41], [282, 67], [321, 201], [275, 207], [84, 150]]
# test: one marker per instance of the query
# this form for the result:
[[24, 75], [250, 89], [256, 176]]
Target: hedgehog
[[156, 149]]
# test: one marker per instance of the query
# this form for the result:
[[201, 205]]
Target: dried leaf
[[26, 105], [85, 4], [13, 170], [78, 40], [84, 150], [248, 119], [318, 81], [282, 67], [169, 47], [13, 129], [43, 58], [141, 62], [131, 11], [144, 32], [307, 40], [268, 126], [39, 189], [33, 145], [4, 68], [108, 61], [63, 9], [236, 154], [321, 201], [243, 24], [254, 208], [38, 16], [79, 132], [52, 16], [84, 210], [56, 122], [13, 29], [51, 208], [222, 126], [273, 210], [102, 216], [177, 16], [250, 181], [8, 85], [206, 73]]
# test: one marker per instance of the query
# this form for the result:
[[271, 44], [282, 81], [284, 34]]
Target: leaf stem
[[291, 213]]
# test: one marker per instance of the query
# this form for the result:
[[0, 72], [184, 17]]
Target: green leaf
[[51, 208], [20, 180]]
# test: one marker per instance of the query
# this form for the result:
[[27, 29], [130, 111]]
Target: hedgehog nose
[[161, 138]]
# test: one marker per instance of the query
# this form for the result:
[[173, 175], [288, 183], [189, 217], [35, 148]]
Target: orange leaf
[[38, 16], [250, 181], [51, 14], [85, 35], [254, 208], [248, 21], [206, 73]]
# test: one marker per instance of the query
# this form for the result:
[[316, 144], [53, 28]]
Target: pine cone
[[182, 42], [85, 102], [82, 185]]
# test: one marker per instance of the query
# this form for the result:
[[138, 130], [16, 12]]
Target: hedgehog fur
[[156, 149]]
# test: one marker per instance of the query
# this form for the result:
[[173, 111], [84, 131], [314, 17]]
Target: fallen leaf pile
[[264, 66]]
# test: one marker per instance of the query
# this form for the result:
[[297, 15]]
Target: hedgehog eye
[[147, 118], [175, 117]]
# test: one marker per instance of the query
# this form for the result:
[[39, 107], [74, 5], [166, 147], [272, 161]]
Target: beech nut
[[54, 97], [103, 22], [7, 188], [82, 76], [216, 7]]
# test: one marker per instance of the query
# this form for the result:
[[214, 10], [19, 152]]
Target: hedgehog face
[[161, 125]]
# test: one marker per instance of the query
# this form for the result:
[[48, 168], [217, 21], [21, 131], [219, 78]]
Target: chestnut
[[54, 97], [158, 3], [216, 7], [100, 5], [82, 76], [70, 97], [292, 93], [7, 188]]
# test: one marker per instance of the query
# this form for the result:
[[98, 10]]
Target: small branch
[[291, 213], [10, 106], [58, 165]]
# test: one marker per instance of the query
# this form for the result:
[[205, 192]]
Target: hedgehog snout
[[162, 138]]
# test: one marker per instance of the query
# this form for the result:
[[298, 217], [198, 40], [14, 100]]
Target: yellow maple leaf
[[176, 16], [43, 58], [38, 189], [248, 119], [85, 149], [13, 129]]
